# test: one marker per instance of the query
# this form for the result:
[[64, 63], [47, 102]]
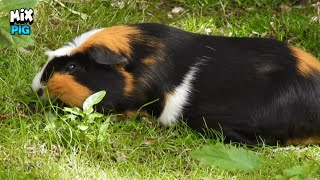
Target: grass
[[137, 149]]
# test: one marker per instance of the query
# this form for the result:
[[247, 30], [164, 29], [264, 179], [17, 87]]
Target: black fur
[[248, 87]]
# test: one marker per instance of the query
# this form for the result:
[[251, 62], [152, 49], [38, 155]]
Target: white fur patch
[[36, 82], [63, 51], [67, 49], [83, 37], [176, 101]]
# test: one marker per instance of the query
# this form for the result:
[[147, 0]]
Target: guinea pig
[[253, 89]]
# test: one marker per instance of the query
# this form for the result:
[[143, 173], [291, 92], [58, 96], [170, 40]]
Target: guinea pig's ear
[[104, 56]]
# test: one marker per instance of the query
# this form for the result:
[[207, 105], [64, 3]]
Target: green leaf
[[71, 117], [22, 40], [91, 137], [74, 110], [103, 130], [83, 127], [50, 126], [298, 172], [228, 158], [104, 126], [5, 37], [92, 100], [93, 116], [7, 5]]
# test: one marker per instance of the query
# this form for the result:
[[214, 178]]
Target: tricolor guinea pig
[[250, 88]]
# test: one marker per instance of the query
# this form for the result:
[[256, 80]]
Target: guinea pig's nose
[[40, 92]]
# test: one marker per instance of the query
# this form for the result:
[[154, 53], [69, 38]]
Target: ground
[[35, 143]]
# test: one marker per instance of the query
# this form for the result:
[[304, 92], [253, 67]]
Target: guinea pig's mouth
[[43, 93], [38, 86], [40, 93], [41, 90]]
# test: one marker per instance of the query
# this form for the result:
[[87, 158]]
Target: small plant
[[228, 157], [82, 124]]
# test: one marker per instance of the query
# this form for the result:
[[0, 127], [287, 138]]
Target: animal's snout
[[37, 85], [39, 92]]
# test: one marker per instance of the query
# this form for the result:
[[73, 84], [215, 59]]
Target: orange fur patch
[[149, 61], [159, 55], [167, 96], [65, 88], [154, 42], [307, 64], [128, 81], [115, 38], [303, 141]]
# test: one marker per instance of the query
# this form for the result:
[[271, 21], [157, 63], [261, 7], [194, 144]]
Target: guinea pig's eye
[[70, 67]]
